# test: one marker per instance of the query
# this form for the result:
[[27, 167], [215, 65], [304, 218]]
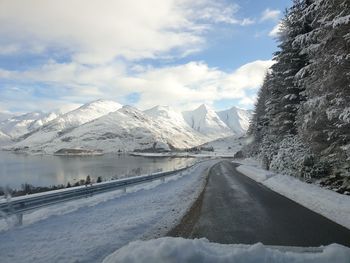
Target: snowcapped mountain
[[66, 122], [126, 129], [17, 126], [172, 119], [4, 139], [205, 120], [109, 127], [42, 121], [83, 114], [236, 119], [4, 115]]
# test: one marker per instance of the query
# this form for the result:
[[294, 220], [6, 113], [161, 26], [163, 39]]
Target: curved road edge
[[233, 208]]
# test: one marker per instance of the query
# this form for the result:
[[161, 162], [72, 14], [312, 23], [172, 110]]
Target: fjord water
[[45, 170]]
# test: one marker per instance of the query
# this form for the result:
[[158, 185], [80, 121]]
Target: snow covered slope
[[227, 146], [236, 119], [84, 114], [207, 122], [174, 120], [4, 115], [66, 122], [127, 129], [89, 229], [4, 139], [19, 125], [104, 125]]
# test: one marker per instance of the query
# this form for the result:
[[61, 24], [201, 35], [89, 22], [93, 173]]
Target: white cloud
[[9, 49], [275, 32], [270, 14], [247, 102], [95, 32], [247, 22], [102, 43], [180, 86]]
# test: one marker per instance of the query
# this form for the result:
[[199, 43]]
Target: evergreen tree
[[286, 95], [307, 93], [258, 123], [324, 119]]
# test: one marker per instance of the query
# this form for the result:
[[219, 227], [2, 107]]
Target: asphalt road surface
[[235, 209]]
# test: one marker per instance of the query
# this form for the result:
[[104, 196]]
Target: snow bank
[[255, 173], [201, 250], [330, 204], [82, 231]]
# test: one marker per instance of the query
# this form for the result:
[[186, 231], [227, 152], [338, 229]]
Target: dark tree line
[[301, 122]]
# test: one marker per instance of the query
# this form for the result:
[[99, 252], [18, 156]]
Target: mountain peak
[[205, 120], [204, 107], [236, 119], [128, 108], [159, 108], [101, 103], [162, 107]]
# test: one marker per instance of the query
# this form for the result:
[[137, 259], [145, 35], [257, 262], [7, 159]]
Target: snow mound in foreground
[[201, 250]]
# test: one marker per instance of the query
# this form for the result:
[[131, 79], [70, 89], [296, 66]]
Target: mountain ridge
[[110, 127]]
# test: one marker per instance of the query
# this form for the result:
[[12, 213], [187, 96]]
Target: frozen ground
[[330, 204], [201, 250], [82, 231], [223, 147]]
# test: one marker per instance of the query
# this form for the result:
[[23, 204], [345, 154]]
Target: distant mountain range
[[107, 126]]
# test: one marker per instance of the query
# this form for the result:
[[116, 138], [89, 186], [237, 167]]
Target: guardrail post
[[162, 179], [19, 219]]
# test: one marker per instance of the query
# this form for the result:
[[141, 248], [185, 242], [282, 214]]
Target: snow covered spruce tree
[[302, 115], [275, 115], [324, 119], [259, 122], [286, 96]]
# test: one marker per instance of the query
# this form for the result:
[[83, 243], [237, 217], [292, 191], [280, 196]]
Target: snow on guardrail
[[22, 204]]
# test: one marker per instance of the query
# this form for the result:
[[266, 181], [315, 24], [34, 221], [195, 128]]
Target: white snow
[[4, 115], [4, 139], [125, 130], [169, 249], [172, 120], [236, 119], [106, 126], [205, 120], [82, 231], [227, 146], [67, 122], [330, 204], [341, 21], [17, 126]]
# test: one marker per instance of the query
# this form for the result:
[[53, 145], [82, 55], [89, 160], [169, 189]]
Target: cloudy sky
[[60, 54]]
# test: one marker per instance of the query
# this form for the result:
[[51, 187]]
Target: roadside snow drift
[[330, 204], [201, 250], [89, 229]]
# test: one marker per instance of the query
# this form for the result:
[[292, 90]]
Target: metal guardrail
[[19, 205]]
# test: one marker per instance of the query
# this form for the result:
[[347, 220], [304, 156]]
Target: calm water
[[16, 169]]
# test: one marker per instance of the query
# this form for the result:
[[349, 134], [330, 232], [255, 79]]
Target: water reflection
[[42, 170]]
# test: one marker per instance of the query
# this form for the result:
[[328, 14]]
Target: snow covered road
[[328, 203], [91, 232], [236, 210]]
